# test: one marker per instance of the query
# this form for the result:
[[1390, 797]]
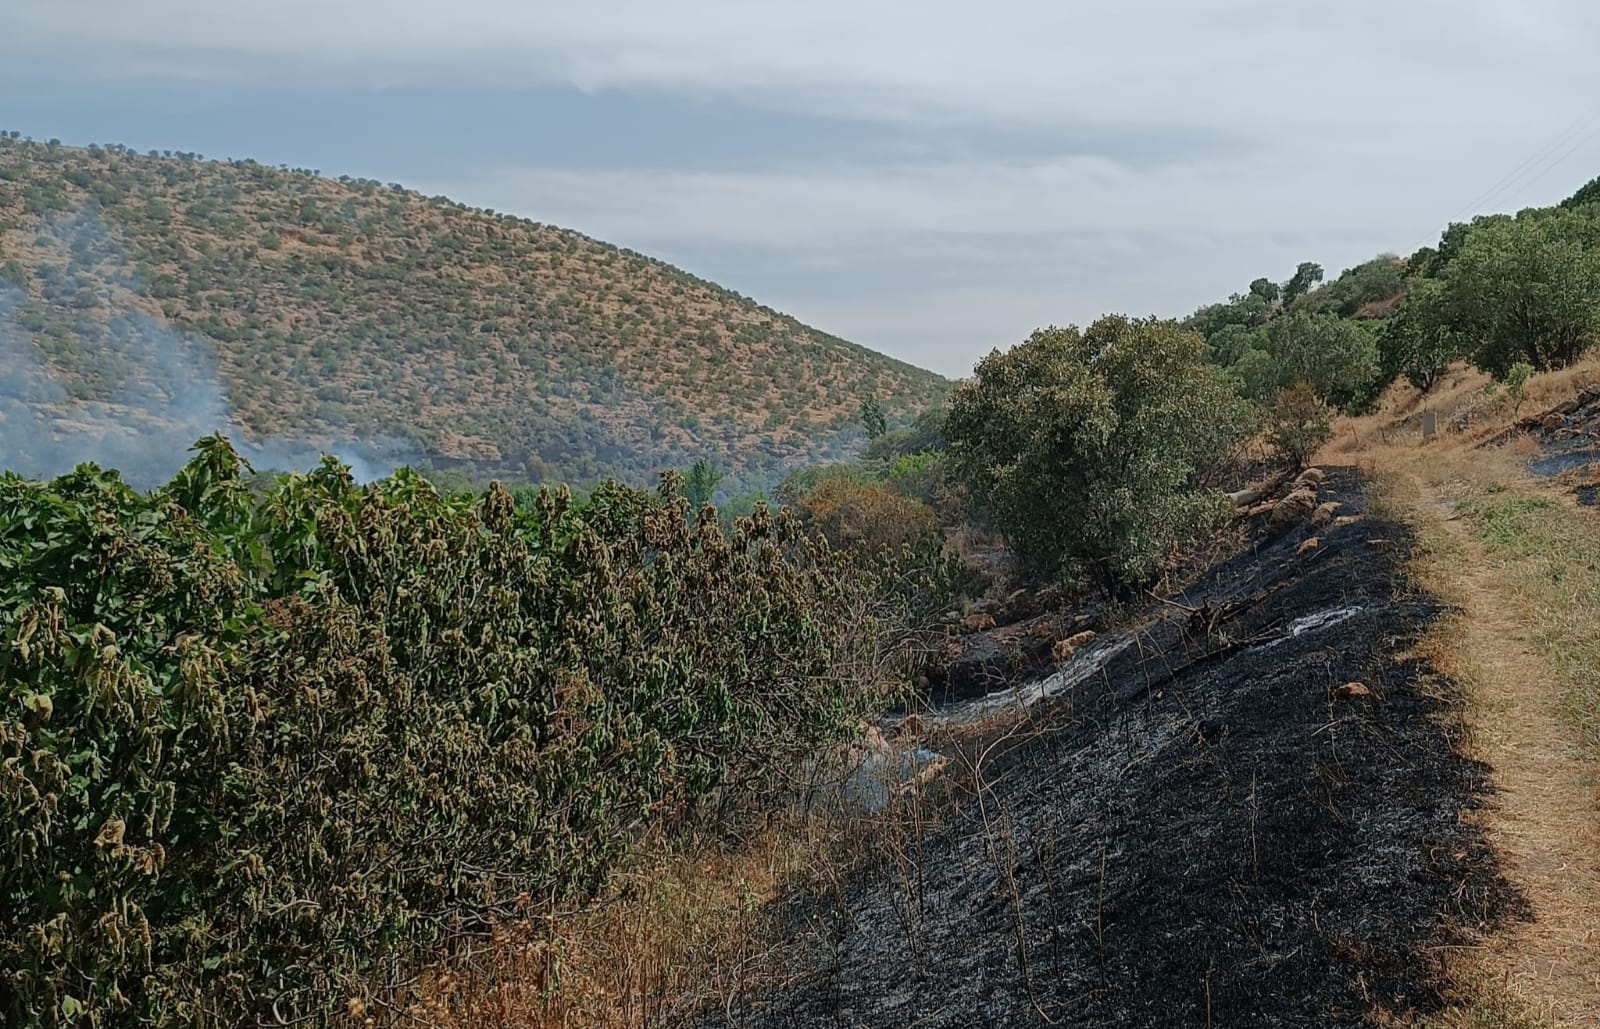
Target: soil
[[1214, 828], [1541, 819]]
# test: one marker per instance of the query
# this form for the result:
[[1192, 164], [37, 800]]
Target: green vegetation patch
[[1552, 553], [261, 754]]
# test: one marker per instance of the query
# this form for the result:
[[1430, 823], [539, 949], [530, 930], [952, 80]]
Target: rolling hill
[[151, 290]]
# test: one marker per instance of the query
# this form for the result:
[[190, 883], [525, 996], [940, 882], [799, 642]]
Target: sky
[[932, 180]]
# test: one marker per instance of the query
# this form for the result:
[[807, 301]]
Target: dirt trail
[[1543, 817]]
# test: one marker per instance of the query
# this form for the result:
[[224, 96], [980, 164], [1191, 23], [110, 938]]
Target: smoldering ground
[[1214, 828]]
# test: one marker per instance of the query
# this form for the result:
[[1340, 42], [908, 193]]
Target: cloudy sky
[[932, 179]]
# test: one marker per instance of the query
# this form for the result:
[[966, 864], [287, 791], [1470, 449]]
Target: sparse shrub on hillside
[[1527, 289], [261, 756], [332, 306], [1516, 381], [1085, 447], [1298, 422]]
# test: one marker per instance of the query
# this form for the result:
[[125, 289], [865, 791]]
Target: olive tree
[[1336, 357], [1089, 449], [1527, 289], [1419, 342]]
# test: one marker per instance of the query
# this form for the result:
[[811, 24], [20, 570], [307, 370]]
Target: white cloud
[[1340, 129], [936, 263], [1114, 61]]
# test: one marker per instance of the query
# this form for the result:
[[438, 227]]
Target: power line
[[1517, 177], [1582, 143]]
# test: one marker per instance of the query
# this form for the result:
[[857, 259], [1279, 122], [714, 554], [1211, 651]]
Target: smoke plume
[[155, 390]]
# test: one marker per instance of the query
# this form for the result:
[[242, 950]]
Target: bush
[[1516, 382], [866, 515], [1298, 423], [893, 542], [1338, 359], [801, 482], [1419, 342], [1527, 289], [258, 757], [1086, 448]]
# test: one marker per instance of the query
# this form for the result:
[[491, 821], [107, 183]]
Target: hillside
[[347, 313]]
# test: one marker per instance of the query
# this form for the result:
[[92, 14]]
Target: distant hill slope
[[347, 310]]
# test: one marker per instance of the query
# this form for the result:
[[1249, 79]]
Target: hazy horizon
[[929, 187]]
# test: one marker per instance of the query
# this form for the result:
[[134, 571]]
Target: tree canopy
[[1087, 447]]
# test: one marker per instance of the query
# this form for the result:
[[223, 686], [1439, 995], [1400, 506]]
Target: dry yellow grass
[[687, 925], [677, 929], [1520, 564]]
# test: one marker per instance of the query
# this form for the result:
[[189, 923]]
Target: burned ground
[[1209, 830]]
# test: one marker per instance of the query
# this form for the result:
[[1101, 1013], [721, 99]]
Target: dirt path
[[1544, 817]]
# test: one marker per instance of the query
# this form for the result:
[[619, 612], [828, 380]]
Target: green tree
[[1266, 289], [1369, 282], [699, 483], [1419, 342], [1337, 358], [1227, 346], [1087, 448], [872, 418], [1300, 283], [1527, 289], [1588, 194]]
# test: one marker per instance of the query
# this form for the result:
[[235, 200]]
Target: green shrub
[[1336, 357], [260, 756], [1527, 289], [1087, 448], [1516, 381], [1419, 342], [1298, 423]]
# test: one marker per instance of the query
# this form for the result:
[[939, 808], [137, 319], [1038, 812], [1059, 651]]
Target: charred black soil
[[1215, 829]]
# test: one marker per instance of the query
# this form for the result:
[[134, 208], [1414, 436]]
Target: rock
[[1245, 497], [978, 623], [910, 726], [1293, 509], [1552, 423], [984, 606], [1324, 513], [1308, 546], [1310, 479], [1352, 691], [1344, 520], [1064, 649]]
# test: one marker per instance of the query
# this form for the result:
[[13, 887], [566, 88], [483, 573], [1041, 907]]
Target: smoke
[[155, 391]]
